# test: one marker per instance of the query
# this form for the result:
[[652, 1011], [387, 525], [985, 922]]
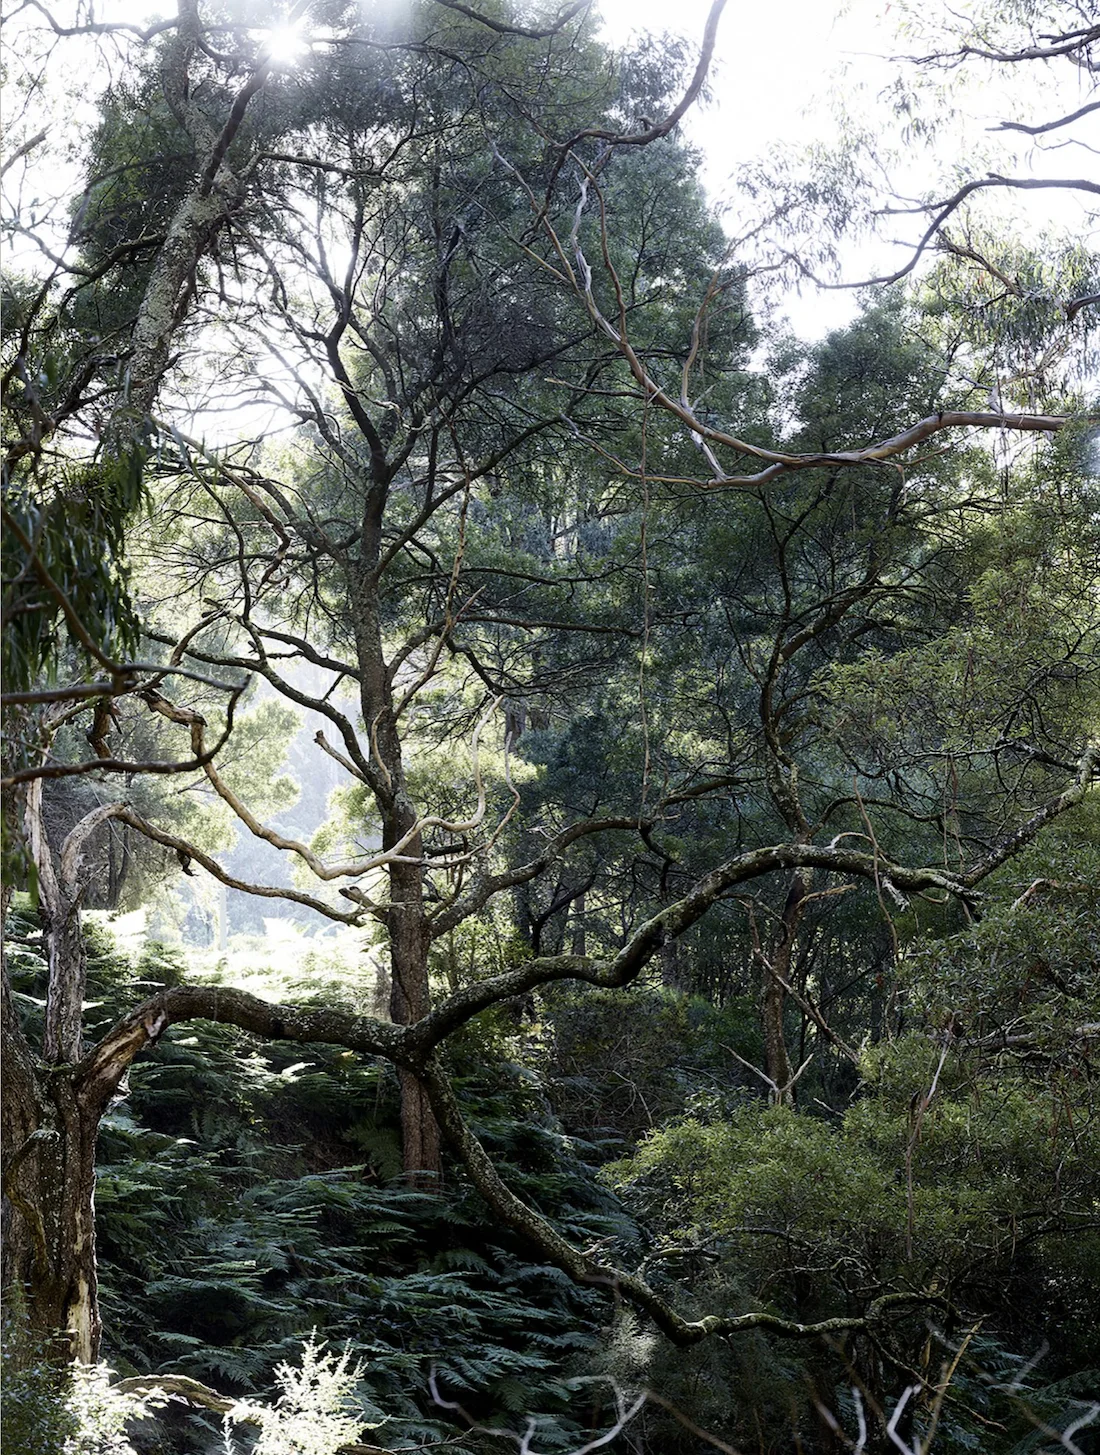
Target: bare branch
[[943, 210], [128, 766], [1045, 126], [1088, 773], [21, 151], [778, 462], [101, 27], [1067, 44], [189, 851], [351, 869]]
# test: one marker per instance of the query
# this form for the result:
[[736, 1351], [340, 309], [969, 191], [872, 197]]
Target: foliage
[[34, 1415], [75, 532], [73, 1409], [231, 1223], [965, 1163], [742, 833], [101, 1412], [620, 1066], [315, 1412]]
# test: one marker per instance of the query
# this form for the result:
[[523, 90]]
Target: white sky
[[781, 69], [773, 64], [774, 72]]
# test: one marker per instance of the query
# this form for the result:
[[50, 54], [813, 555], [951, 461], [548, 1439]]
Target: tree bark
[[51, 1117], [773, 997], [579, 937], [406, 919], [410, 1001], [48, 1219]]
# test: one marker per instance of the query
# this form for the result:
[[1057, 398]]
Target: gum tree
[[395, 131]]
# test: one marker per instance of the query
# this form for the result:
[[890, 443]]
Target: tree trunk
[[51, 1119], [49, 1139], [777, 1061], [579, 937], [221, 919], [410, 1001], [406, 920], [773, 996], [522, 917]]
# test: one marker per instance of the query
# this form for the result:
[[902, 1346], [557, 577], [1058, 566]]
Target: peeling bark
[[51, 1117], [216, 194]]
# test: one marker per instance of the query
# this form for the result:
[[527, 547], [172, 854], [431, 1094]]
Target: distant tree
[[991, 107]]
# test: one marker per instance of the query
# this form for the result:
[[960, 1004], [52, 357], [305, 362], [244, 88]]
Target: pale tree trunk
[[221, 930], [51, 1119], [215, 195]]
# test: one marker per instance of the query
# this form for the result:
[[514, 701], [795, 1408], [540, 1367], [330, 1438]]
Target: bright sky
[[773, 64], [781, 70], [774, 72]]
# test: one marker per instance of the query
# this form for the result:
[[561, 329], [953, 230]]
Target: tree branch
[[780, 462], [1048, 125], [623, 967], [189, 851], [662, 128], [502, 28], [586, 1270], [1088, 772], [97, 1075]]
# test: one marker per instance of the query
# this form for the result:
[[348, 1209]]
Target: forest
[[551, 845]]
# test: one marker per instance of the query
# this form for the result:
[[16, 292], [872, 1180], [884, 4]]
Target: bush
[[34, 1414]]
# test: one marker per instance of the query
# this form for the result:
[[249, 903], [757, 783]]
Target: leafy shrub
[[316, 1411], [34, 1415], [101, 1413], [622, 1063]]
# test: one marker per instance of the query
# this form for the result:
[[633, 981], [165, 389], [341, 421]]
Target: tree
[[453, 358], [455, 528], [988, 108]]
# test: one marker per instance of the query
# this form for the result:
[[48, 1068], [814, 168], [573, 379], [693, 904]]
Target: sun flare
[[286, 45]]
